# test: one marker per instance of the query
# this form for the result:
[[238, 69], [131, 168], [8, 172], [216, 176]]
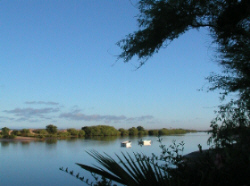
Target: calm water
[[38, 163]]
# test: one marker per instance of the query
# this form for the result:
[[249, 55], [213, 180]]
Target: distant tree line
[[88, 131], [100, 130]]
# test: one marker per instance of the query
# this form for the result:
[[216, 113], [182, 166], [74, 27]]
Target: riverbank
[[20, 138]]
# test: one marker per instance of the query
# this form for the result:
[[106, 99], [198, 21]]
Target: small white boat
[[144, 142], [126, 144]]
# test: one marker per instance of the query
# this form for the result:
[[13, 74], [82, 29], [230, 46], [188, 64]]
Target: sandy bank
[[20, 138]]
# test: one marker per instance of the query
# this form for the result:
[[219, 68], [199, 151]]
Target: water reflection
[[51, 141], [5, 143], [14, 143], [102, 138], [25, 143], [73, 140]]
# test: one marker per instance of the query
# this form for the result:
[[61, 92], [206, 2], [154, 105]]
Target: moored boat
[[144, 142], [126, 144]]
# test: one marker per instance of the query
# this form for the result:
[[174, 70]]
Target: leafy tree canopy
[[160, 22], [52, 129], [228, 21], [140, 128], [5, 131], [100, 130]]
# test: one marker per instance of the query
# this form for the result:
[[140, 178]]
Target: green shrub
[[123, 132], [41, 131], [100, 130], [61, 134], [5, 131], [25, 132], [142, 133], [51, 129], [12, 136], [16, 132], [133, 131], [153, 132], [81, 133], [73, 132]]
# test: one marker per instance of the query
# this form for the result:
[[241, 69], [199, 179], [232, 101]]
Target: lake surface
[[37, 163]]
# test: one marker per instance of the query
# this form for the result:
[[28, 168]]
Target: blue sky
[[59, 66]]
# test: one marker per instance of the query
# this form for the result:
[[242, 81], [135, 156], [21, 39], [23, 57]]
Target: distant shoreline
[[35, 138], [28, 135], [20, 138]]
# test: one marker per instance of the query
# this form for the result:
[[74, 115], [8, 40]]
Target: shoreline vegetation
[[51, 132]]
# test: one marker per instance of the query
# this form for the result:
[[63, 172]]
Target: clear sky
[[58, 65]]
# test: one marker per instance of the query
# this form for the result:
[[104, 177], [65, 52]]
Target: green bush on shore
[[73, 132], [153, 132], [62, 134], [25, 132], [100, 130], [5, 133], [81, 133], [123, 132], [16, 132]]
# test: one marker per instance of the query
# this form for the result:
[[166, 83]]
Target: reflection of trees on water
[[71, 140], [102, 138], [25, 143], [5, 143], [51, 141]]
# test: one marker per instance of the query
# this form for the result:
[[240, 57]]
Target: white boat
[[144, 142], [126, 144]]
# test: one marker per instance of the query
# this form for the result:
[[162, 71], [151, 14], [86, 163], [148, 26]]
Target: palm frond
[[100, 171], [128, 171]]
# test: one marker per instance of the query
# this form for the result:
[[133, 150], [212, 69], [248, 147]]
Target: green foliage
[[231, 125], [153, 132], [41, 131], [12, 136], [73, 132], [5, 131], [233, 37], [134, 170], [51, 129], [25, 132], [100, 130], [160, 22], [123, 132], [165, 131], [81, 133], [16, 132], [140, 128], [231, 135], [62, 134], [133, 131], [142, 131]]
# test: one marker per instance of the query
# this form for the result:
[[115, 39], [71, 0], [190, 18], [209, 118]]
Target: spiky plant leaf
[[129, 171]]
